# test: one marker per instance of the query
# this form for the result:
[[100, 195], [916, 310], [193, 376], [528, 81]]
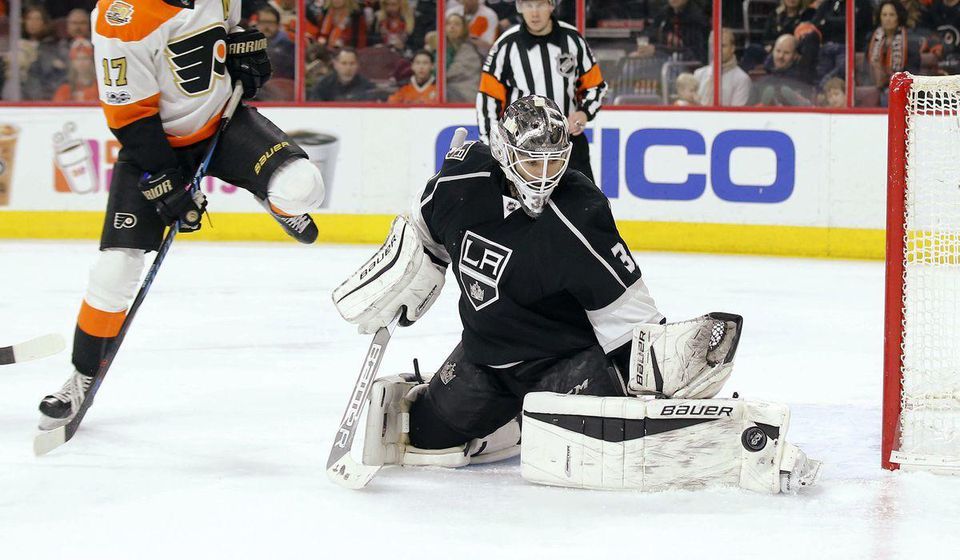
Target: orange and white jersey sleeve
[[165, 59]]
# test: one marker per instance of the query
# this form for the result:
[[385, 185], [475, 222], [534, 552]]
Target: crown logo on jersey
[[476, 292], [119, 13]]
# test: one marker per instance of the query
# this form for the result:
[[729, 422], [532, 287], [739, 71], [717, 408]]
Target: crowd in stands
[[773, 52]]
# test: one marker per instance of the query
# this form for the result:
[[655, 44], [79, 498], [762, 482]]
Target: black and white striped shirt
[[558, 65]]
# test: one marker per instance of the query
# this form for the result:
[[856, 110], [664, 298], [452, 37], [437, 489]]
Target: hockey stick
[[46, 442], [33, 349], [341, 468]]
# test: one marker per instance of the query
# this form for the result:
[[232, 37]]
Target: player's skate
[[59, 408], [302, 227]]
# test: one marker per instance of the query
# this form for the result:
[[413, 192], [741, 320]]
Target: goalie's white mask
[[532, 145]]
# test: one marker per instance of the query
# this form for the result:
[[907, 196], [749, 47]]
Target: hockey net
[[921, 417]]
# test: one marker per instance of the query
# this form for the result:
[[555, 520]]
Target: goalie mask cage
[[921, 408]]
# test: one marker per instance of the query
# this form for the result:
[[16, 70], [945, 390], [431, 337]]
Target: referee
[[547, 57]]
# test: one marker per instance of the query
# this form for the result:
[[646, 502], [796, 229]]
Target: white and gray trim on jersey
[[423, 198], [537, 70], [613, 324]]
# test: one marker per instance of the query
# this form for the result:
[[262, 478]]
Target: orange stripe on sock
[[98, 323], [280, 212]]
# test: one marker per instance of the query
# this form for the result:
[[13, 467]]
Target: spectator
[[78, 24], [942, 20], [422, 87], [288, 15], [788, 82], [341, 23], [735, 84], [913, 10], [394, 23], [430, 42], [507, 15], [280, 47], [58, 9], [44, 58], [834, 94], [344, 83], [687, 85], [81, 84], [424, 21], [890, 49], [464, 61], [482, 22], [785, 19], [678, 29], [831, 17]]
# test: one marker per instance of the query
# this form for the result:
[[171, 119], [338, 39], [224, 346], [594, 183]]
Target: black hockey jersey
[[530, 288]]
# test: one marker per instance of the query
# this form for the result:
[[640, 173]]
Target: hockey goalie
[[560, 336]]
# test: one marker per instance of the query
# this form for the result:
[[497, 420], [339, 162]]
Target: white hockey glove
[[399, 277], [687, 360]]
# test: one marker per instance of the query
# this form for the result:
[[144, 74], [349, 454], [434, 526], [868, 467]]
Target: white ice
[[209, 436]]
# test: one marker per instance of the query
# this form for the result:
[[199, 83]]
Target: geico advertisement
[[752, 168], [701, 167]]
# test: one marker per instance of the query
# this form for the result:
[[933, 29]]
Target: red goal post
[[921, 394]]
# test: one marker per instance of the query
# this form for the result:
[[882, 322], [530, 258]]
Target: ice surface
[[209, 436]]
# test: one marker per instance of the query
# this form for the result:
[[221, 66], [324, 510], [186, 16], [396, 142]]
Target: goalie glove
[[400, 277], [686, 360]]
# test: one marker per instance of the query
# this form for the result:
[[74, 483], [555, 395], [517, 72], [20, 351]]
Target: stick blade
[[45, 442], [40, 347], [349, 474]]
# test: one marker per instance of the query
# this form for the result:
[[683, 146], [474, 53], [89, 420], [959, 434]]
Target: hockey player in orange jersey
[[166, 70]]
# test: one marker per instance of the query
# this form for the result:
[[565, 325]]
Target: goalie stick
[[33, 349], [46, 442], [341, 467]]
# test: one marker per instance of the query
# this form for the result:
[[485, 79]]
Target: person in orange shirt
[[482, 22], [81, 82], [422, 87]]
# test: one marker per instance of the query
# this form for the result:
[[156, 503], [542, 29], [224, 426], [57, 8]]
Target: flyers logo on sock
[[198, 59], [119, 13]]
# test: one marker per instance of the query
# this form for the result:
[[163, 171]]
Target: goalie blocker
[[658, 444], [400, 275]]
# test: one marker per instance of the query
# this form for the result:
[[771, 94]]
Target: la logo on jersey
[[482, 263], [197, 58]]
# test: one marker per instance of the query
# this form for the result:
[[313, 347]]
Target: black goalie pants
[[466, 400]]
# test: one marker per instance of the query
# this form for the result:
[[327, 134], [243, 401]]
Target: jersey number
[[620, 252], [118, 64]]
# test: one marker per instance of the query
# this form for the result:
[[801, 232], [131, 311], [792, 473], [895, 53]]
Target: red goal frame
[[893, 313]]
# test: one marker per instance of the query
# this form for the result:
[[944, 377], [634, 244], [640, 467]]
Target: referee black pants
[[580, 156]]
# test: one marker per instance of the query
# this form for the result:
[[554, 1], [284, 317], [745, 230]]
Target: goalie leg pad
[[400, 276], [686, 360], [652, 445], [386, 439]]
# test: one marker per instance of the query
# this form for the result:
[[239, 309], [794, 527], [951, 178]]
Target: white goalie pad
[[399, 276], [386, 440], [658, 444], [686, 360]]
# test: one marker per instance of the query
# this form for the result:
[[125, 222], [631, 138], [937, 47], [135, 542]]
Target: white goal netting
[[930, 402]]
